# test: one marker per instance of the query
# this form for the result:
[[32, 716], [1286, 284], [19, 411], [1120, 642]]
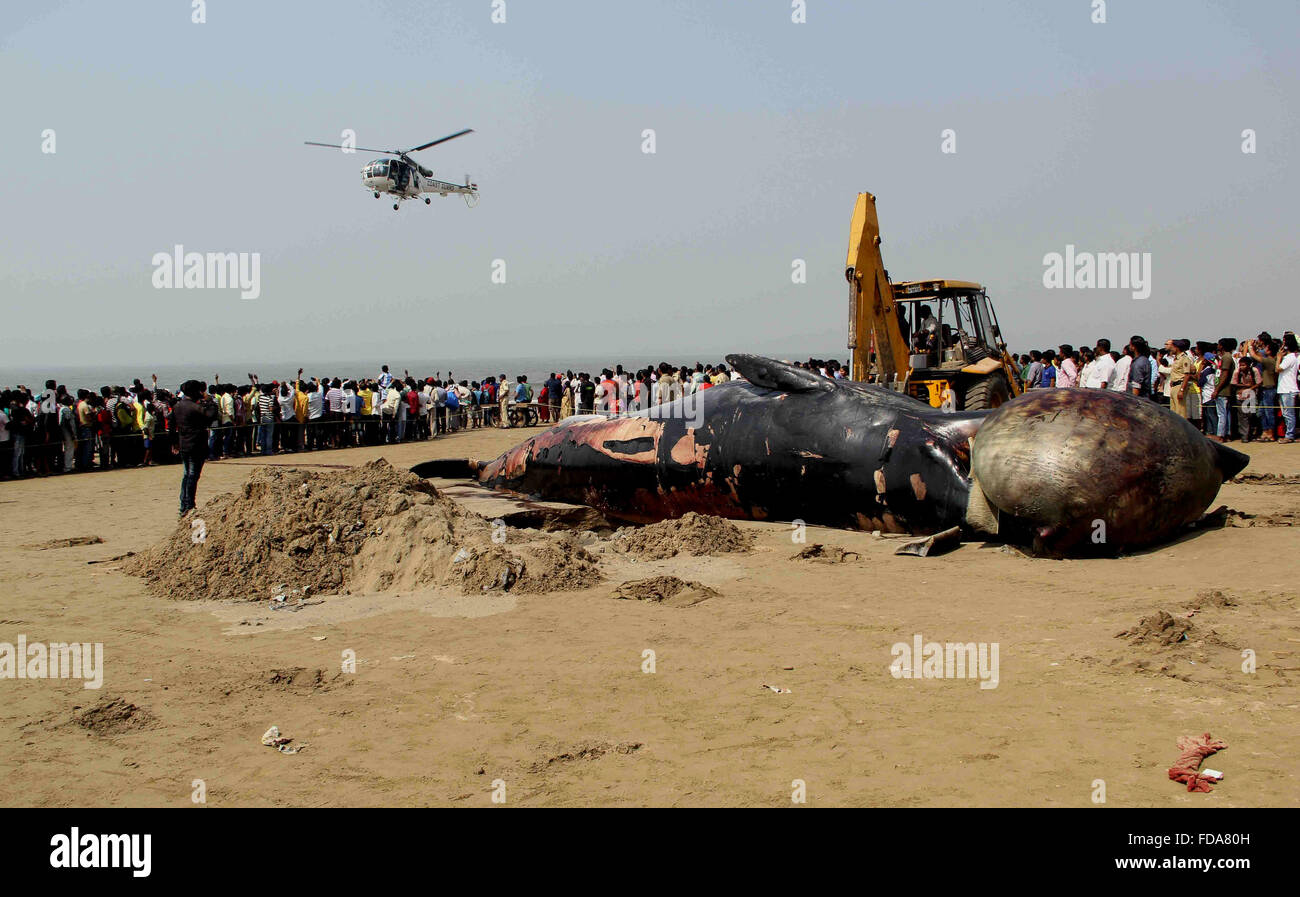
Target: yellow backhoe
[[936, 340]]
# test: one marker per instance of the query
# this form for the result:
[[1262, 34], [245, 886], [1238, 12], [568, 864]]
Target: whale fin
[[772, 374], [449, 468], [1230, 461]]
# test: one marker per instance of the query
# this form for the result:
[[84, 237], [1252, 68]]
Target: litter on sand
[[273, 738], [936, 544], [1192, 750]]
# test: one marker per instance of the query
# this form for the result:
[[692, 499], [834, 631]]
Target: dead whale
[[785, 444], [1089, 470]]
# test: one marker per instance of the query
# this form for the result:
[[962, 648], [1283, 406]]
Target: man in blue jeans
[[1288, 384], [1264, 351], [1223, 389], [194, 413]]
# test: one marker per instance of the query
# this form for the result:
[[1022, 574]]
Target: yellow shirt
[[367, 401]]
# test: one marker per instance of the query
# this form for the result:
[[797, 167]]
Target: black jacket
[[192, 420]]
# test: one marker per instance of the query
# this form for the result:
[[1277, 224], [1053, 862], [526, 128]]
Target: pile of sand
[[549, 565], [559, 565], [665, 590], [693, 534], [828, 554], [114, 716], [365, 529], [1165, 630], [1160, 628], [1213, 598]]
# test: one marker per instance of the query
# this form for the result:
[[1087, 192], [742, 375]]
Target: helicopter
[[404, 178]]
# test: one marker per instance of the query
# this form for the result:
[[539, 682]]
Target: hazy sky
[[1123, 136]]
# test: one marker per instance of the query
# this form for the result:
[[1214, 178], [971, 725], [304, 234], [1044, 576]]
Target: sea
[[170, 376]]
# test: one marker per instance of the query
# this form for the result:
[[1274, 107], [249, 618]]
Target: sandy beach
[[455, 694]]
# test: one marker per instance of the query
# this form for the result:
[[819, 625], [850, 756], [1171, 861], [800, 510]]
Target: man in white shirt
[[289, 430], [427, 415], [1102, 367], [621, 385], [1288, 384], [315, 412], [1119, 373], [440, 405], [929, 323]]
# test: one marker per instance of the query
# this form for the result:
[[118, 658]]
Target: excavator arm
[[871, 299]]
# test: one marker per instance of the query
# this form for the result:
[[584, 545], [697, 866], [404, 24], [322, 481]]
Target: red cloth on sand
[[1186, 768]]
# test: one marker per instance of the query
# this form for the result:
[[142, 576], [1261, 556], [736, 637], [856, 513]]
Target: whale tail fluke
[[448, 468]]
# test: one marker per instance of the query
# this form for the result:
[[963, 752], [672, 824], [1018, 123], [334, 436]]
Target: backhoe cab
[[936, 340]]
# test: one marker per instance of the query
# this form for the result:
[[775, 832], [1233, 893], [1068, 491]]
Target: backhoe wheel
[[987, 392]]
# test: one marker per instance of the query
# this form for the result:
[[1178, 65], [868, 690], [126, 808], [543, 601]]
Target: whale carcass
[[1071, 470], [786, 444]]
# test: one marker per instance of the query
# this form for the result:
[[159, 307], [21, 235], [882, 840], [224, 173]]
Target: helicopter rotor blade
[[441, 140], [361, 148]]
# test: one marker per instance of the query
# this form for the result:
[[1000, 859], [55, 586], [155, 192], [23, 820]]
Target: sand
[[692, 533], [669, 590], [543, 685], [292, 533]]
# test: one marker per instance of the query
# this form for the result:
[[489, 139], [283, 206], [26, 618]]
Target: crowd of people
[[56, 431], [1229, 389]]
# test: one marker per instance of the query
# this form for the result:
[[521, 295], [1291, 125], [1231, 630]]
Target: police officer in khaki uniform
[[1181, 370], [503, 396]]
